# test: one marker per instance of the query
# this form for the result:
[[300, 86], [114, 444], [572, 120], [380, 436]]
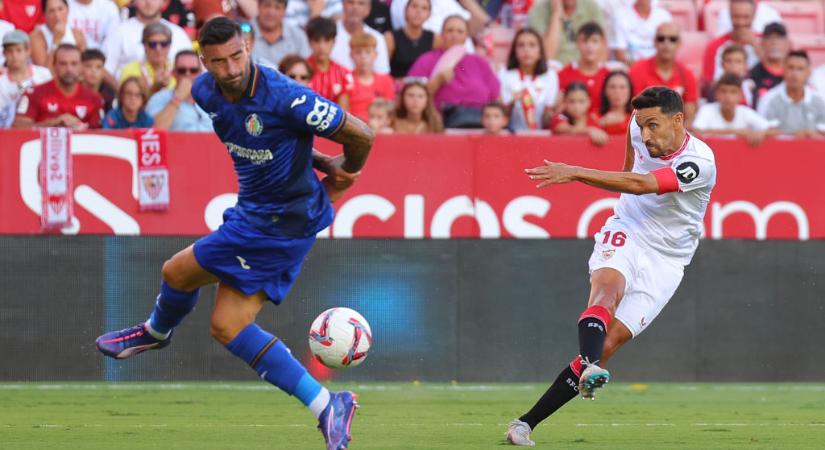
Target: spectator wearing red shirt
[[574, 118], [615, 110], [367, 85], [329, 79], [663, 70], [64, 101], [588, 70], [24, 14], [742, 14]]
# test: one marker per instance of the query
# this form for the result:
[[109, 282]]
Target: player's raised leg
[[233, 325], [182, 278]]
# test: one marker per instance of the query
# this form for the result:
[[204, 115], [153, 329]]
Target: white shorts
[[651, 278]]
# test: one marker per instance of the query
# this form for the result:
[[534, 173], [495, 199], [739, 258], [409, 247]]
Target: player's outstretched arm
[[626, 182]]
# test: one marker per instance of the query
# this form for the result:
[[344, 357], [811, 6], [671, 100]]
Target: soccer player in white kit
[[640, 253]]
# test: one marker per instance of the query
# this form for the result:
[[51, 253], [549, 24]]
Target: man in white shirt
[[793, 106], [355, 11], [125, 45], [97, 19], [19, 77], [764, 15], [634, 28], [728, 117], [298, 12]]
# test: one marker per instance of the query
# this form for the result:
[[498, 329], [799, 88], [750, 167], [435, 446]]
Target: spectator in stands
[[124, 46], [355, 11], [528, 88], [380, 115], [615, 109], [174, 109], [559, 22], [19, 76], [96, 19], [469, 10], [728, 116], [416, 113], [130, 112], [62, 102], [379, 19], [663, 70], [764, 15], [5, 27], [767, 74], [793, 106], [46, 37], [367, 85], [575, 117], [461, 83], [92, 74], [407, 43], [735, 61], [329, 78], [297, 68], [741, 12], [275, 39], [23, 14], [300, 12], [204, 10], [588, 69], [634, 28], [154, 70], [494, 119]]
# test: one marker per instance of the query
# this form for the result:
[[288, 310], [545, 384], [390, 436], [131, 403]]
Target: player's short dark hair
[[659, 97], [798, 54], [218, 31], [321, 28], [734, 48], [92, 54], [729, 79], [495, 105], [590, 29]]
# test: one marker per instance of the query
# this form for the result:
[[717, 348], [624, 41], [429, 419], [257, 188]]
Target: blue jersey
[[268, 133]]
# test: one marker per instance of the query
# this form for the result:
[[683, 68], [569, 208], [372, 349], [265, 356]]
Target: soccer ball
[[340, 338]]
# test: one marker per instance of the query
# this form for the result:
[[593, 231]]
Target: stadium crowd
[[426, 66]]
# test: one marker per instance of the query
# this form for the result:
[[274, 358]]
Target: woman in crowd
[[528, 89], [46, 37], [296, 67], [615, 109], [415, 113], [406, 44], [131, 101]]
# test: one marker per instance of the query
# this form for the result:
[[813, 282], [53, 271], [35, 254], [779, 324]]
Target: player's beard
[[233, 84]]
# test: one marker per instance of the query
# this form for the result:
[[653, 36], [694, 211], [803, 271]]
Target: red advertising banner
[[417, 187]]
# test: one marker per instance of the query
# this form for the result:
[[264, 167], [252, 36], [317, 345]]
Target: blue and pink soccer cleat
[[336, 420], [130, 341]]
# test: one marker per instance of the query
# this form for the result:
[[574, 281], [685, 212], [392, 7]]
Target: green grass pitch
[[409, 416]]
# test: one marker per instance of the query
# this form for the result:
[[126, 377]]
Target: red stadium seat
[[814, 44], [801, 16], [692, 49], [683, 12]]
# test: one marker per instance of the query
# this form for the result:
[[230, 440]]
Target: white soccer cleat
[[592, 378], [518, 433]]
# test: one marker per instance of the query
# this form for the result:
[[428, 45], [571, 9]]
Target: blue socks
[[171, 307], [273, 362]]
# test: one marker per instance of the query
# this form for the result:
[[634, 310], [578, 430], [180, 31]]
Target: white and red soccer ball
[[340, 338]]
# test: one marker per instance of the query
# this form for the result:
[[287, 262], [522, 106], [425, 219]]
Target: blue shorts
[[251, 261]]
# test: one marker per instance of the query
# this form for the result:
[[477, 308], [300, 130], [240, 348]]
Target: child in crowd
[[380, 115], [575, 119], [367, 85], [735, 61], [494, 119], [329, 78], [729, 117], [416, 113]]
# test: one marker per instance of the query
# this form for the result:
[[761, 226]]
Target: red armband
[[666, 179]]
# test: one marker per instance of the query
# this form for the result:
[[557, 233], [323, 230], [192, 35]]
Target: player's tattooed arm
[[357, 139], [626, 182]]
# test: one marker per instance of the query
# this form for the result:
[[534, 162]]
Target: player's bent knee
[[223, 329]]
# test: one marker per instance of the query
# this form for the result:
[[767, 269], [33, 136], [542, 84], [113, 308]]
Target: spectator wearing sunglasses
[[663, 70], [275, 39], [174, 109], [297, 68], [155, 69]]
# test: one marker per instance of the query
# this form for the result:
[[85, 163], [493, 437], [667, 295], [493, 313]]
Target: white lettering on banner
[[414, 216], [150, 148], [760, 217], [590, 212], [518, 209], [462, 206], [357, 207]]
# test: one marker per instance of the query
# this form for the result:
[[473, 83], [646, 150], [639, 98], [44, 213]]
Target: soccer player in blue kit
[[267, 123]]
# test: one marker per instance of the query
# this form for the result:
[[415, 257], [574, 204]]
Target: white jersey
[[97, 20], [11, 91], [670, 223]]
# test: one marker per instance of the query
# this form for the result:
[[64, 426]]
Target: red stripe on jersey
[[666, 179], [678, 152]]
